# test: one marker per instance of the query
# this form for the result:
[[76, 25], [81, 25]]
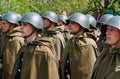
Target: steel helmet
[[63, 18], [11, 17], [92, 21], [114, 21], [33, 18], [51, 16], [80, 19], [19, 16], [104, 18]]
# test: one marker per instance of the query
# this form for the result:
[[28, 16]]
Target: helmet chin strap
[[33, 31]]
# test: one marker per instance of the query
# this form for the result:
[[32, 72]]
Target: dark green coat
[[2, 35], [107, 65], [39, 61], [81, 51], [100, 42], [13, 42]]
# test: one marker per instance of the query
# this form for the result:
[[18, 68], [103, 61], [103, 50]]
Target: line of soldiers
[[48, 46]]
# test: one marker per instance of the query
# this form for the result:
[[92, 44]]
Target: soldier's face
[[113, 36], [5, 26], [74, 28], [60, 22], [26, 29], [46, 23]]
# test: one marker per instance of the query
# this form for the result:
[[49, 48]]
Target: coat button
[[66, 70], [67, 61], [19, 70]]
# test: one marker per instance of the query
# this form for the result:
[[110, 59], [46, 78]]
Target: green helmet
[[92, 21], [104, 18], [63, 18], [11, 17], [51, 16], [80, 19], [114, 21], [33, 18]]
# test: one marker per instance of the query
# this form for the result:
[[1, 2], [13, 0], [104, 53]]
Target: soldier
[[62, 21], [63, 12], [93, 32], [50, 20], [35, 59], [79, 55], [11, 42], [107, 65], [102, 28], [92, 29]]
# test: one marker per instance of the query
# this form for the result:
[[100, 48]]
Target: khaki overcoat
[[13, 42], [81, 51], [38, 62]]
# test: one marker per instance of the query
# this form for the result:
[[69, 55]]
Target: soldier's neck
[[78, 34], [31, 38]]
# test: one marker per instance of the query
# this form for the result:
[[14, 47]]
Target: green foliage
[[19, 6], [71, 6], [40, 6]]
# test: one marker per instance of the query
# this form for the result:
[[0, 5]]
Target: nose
[[107, 31], [21, 28], [69, 25]]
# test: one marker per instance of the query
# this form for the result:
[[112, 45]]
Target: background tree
[[40, 6]]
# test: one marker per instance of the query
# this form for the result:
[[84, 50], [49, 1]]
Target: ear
[[12, 26]]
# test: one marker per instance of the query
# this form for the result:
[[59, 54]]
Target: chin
[[71, 33], [109, 42], [3, 31]]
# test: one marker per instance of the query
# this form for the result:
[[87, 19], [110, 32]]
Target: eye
[[3, 23], [112, 29], [23, 24]]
